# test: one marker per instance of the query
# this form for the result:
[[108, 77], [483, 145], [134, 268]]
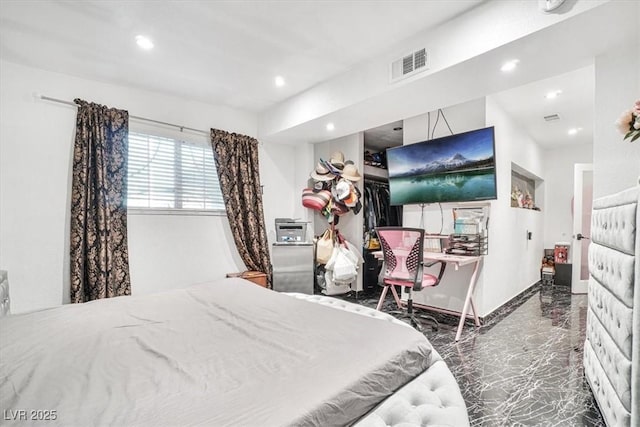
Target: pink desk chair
[[403, 265]]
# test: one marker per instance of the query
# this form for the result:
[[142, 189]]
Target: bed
[[221, 353]]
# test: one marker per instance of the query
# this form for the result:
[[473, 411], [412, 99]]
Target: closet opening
[[377, 209]]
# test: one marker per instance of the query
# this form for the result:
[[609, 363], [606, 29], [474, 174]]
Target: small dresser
[[612, 346]]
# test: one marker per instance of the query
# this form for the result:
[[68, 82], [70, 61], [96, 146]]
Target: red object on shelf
[[561, 254]]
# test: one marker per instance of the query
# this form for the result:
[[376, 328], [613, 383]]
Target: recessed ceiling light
[[330, 126], [553, 94], [509, 65], [144, 42], [279, 80], [574, 131]]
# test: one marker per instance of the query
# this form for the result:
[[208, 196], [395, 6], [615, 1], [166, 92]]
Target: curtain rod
[[158, 122]]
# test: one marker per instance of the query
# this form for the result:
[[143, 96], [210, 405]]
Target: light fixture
[[553, 94], [279, 81], [574, 131], [330, 126], [509, 65], [144, 42]]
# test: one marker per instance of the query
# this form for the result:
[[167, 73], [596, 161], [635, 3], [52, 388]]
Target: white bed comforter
[[216, 354]]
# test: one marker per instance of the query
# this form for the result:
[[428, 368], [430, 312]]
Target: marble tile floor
[[523, 367]]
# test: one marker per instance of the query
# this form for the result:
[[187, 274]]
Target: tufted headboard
[[4, 294], [612, 345]]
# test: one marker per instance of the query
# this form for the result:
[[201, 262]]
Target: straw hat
[[321, 173], [351, 173], [337, 159]]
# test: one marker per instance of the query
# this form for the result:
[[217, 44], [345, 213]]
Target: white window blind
[[170, 174]]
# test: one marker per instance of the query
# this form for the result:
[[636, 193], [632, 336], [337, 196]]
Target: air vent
[[552, 117], [409, 64]]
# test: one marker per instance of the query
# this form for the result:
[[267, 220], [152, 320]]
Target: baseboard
[[508, 307]]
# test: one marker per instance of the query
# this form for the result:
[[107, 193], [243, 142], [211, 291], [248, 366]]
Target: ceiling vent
[[552, 117], [408, 65]]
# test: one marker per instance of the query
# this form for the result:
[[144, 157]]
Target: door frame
[[578, 286]]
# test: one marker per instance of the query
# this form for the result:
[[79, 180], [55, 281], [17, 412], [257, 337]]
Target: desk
[[457, 261]]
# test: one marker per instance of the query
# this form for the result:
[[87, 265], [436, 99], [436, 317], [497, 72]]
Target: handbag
[[324, 247], [315, 199]]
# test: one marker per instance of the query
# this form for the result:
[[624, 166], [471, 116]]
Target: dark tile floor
[[523, 367]]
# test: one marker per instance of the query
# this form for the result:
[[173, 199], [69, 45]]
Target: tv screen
[[456, 168]]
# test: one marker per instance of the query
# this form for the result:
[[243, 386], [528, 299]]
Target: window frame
[[178, 141]]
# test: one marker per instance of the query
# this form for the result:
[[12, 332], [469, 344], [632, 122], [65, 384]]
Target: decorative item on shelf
[[561, 253], [629, 123]]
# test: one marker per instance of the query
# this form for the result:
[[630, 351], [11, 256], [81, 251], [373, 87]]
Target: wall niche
[[524, 186]]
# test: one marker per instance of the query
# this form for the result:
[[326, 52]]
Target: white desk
[[457, 261]]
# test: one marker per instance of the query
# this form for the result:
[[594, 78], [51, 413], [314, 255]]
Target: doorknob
[[579, 236]]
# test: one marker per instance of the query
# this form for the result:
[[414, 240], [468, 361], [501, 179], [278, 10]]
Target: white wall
[[513, 263], [166, 251], [616, 163], [349, 225], [558, 174], [451, 292]]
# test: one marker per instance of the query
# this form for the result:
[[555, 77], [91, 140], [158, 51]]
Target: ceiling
[[218, 52], [527, 106], [229, 52]]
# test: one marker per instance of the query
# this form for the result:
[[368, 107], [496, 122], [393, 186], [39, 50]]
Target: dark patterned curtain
[[237, 163], [99, 254]]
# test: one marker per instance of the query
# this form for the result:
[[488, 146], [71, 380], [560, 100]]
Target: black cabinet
[[371, 270], [563, 274]]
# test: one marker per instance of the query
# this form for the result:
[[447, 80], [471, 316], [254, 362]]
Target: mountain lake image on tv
[[456, 168]]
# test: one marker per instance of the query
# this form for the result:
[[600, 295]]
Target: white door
[[582, 202]]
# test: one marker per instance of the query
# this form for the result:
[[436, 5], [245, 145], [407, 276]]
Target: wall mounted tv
[[455, 168]]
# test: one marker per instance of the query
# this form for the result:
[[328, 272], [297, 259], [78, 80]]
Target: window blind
[[172, 174]]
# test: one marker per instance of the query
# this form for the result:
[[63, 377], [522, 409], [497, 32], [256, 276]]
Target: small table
[[257, 277], [457, 261]]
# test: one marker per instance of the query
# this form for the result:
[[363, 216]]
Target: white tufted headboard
[[612, 346]]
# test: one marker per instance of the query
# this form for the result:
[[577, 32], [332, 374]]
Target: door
[[582, 202]]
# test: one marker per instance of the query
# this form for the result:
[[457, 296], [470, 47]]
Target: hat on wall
[[343, 188], [351, 173], [321, 173], [337, 159], [314, 199]]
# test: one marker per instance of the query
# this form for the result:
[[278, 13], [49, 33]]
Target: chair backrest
[[403, 253]]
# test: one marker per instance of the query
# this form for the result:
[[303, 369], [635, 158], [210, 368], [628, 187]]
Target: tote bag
[[324, 247]]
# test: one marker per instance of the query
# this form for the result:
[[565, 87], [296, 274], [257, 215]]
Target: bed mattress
[[222, 353]]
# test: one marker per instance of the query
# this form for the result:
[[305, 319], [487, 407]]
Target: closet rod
[[158, 122]]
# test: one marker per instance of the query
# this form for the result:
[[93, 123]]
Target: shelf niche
[[525, 188]]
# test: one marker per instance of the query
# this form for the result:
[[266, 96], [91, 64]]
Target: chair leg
[[414, 319], [396, 297], [381, 300]]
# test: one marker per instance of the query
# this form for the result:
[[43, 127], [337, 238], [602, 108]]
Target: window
[[171, 174]]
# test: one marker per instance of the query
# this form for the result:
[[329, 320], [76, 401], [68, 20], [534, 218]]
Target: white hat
[[337, 159], [351, 173], [321, 173], [343, 189]]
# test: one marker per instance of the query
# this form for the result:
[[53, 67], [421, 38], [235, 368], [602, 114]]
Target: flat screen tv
[[456, 168]]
